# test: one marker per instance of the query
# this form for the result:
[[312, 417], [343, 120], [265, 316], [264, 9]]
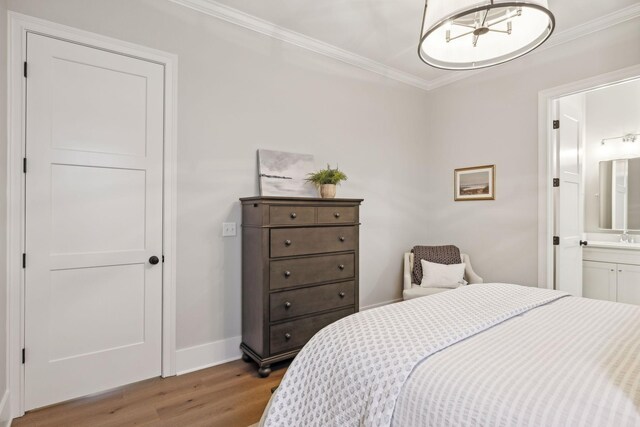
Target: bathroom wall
[[611, 111]]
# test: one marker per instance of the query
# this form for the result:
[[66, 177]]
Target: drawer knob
[[287, 304], [287, 273], [287, 336], [341, 238], [341, 266], [287, 242], [293, 215], [341, 294], [337, 214]]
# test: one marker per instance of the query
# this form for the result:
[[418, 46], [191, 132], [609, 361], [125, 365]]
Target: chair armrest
[[470, 275], [407, 270]]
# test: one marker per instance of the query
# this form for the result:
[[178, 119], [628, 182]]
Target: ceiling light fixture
[[471, 34]]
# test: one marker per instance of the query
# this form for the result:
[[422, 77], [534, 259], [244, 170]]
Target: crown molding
[[603, 22], [237, 17]]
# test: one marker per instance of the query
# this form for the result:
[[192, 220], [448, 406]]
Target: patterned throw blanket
[[352, 372], [448, 254]]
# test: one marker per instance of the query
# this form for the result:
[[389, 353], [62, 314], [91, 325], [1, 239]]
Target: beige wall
[[240, 91], [492, 118], [3, 198]]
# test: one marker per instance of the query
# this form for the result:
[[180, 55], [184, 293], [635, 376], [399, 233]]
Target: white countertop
[[613, 245]]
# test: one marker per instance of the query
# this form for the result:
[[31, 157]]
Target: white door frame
[[546, 171], [18, 27]]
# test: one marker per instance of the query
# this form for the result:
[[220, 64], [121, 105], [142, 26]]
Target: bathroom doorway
[[595, 196]]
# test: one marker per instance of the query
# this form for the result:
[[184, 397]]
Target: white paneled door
[[93, 287], [569, 222]]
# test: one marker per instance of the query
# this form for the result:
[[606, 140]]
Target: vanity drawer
[[288, 273], [303, 241], [336, 214], [281, 215], [285, 305], [294, 334]]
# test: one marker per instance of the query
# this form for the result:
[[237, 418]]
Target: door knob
[[287, 304], [341, 238], [583, 243], [287, 242], [341, 294], [287, 273], [154, 260], [337, 214], [287, 336], [341, 266], [293, 215]]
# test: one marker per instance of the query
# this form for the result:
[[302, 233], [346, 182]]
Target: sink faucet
[[624, 237]]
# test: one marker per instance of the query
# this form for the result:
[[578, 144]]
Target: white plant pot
[[328, 191]]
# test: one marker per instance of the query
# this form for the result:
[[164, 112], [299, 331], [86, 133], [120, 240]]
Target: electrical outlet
[[228, 229]]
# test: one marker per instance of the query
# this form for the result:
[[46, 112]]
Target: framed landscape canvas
[[284, 174], [475, 183]]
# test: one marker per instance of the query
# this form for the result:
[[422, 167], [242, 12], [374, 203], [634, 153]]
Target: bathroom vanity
[[611, 259], [611, 271]]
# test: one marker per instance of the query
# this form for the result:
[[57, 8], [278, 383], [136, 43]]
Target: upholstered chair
[[414, 290]]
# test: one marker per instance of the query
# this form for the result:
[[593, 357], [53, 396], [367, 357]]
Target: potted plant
[[326, 181]]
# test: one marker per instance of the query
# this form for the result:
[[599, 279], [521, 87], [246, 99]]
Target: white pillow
[[442, 275]]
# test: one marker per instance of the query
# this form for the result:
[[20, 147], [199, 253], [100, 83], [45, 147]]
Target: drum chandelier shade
[[471, 34]]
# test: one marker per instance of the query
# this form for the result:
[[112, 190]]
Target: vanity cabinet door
[[629, 284], [599, 280]]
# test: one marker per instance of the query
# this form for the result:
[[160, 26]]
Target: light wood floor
[[228, 395]]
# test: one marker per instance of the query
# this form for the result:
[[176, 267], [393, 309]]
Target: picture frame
[[474, 183]]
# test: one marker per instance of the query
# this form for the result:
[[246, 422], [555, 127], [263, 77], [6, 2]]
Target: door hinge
[[556, 182], [556, 124], [24, 260], [556, 240], [24, 165], [162, 258], [24, 356], [25, 69]]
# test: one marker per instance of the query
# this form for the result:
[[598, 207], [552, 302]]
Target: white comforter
[[353, 372], [574, 362]]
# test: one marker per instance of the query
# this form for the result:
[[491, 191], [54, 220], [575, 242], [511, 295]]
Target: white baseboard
[[218, 352], [206, 355], [380, 304], [5, 410]]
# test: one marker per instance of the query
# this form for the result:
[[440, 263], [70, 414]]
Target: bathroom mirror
[[620, 194]]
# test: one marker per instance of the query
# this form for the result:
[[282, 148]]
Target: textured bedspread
[[574, 362], [353, 371]]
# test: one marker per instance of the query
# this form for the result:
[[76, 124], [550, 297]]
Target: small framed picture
[[475, 183]]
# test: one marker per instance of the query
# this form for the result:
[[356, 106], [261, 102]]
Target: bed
[[485, 355]]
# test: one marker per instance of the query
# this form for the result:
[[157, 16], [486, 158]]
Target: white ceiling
[[386, 31]]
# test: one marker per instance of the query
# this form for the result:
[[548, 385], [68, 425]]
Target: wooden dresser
[[299, 272]]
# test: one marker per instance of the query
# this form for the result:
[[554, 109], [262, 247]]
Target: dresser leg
[[245, 357], [264, 371]]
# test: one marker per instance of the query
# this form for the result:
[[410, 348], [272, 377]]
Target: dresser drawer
[[336, 214], [280, 215], [303, 241], [285, 305], [291, 335], [288, 273]]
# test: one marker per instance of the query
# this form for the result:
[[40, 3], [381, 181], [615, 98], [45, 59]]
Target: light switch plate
[[228, 229]]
